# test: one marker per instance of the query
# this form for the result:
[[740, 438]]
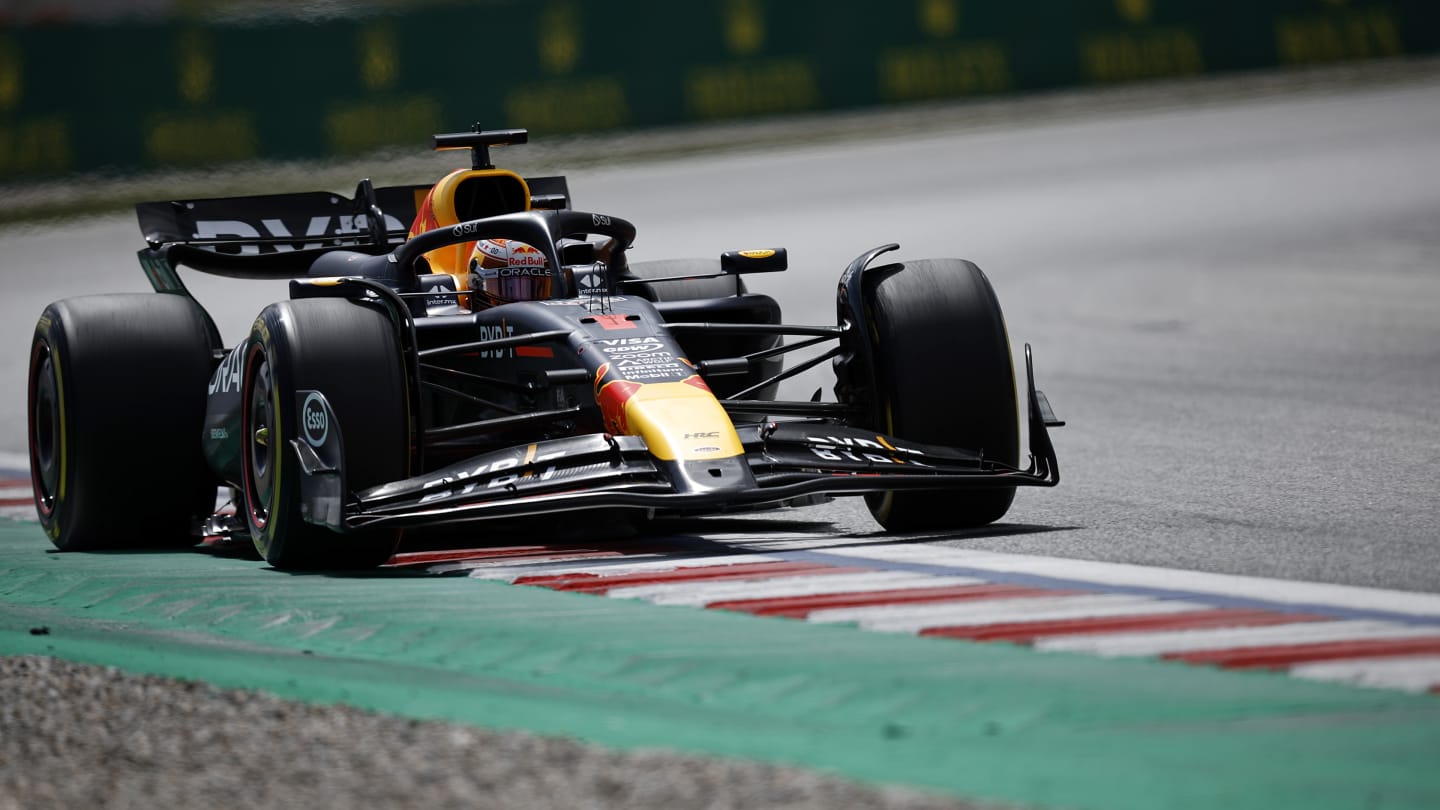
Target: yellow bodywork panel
[[681, 422], [463, 195]]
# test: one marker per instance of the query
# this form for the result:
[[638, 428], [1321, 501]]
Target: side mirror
[[548, 202], [577, 253], [769, 260]]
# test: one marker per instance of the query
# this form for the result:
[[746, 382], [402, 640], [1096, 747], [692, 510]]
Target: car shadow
[[678, 537], [674, 536], [757, 541]]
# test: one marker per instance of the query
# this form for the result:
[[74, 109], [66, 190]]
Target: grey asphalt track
[[1234, 301]]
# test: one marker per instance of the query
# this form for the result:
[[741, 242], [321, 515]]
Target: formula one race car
[[502, 358]]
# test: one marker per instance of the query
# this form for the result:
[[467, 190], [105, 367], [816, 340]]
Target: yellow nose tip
[[681, 422]]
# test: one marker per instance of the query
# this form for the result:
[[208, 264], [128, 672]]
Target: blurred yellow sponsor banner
[[357, 126], [1117, 56], [35, 145], [568, 105], [145, 94], [1339, 32], [200, 136], [766, 87], [943, 70]]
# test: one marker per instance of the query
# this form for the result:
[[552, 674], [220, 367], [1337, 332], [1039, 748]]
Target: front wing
[[785, 462]]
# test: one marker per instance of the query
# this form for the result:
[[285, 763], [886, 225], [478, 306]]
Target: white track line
[[16, 489], [26, 513], [1125, 644], [510, 570], [914, 618], [703, 593], [1411, 674], [558, 563]]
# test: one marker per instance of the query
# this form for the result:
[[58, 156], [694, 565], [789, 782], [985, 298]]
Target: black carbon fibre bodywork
[[595, 398]]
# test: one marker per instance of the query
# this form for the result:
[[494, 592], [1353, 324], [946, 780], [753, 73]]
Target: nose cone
[[681, 421]]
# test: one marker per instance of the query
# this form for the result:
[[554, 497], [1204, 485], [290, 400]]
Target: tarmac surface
[[1233, 295]]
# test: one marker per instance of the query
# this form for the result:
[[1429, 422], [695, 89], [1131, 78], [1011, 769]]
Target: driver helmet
[[504, 270]]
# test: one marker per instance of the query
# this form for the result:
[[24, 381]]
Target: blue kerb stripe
[[698, 547], [1057, 583]]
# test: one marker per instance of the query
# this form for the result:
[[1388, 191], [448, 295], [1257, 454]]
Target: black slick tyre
[[943, 375], [348, 351], [115, 409]]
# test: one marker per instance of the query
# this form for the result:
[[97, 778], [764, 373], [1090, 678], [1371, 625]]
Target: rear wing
[[278, 236], [283, 223]]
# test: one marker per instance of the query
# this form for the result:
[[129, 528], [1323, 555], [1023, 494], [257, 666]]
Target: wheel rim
[[258, 427], [45, 426]]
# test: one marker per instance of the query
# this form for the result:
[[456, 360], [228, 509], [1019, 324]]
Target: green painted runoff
[[984, 721]]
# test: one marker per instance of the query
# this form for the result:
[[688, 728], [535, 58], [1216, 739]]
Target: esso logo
[[314, 422]]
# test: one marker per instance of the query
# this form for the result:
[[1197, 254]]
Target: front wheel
[[943, 375], [348, 351]]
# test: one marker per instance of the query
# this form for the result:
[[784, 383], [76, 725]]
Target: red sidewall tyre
[[349, 352]]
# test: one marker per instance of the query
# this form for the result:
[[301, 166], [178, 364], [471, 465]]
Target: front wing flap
[[789, 461]]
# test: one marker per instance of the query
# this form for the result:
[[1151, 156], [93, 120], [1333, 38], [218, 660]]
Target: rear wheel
[[943, 375], [116, 406], [348, 352]]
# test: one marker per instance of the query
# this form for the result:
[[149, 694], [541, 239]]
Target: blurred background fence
[[153, 84]]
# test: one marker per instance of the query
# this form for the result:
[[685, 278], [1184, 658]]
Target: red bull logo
[[612, 398]]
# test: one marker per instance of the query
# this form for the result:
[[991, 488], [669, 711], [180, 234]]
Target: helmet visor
[[505, 271]]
